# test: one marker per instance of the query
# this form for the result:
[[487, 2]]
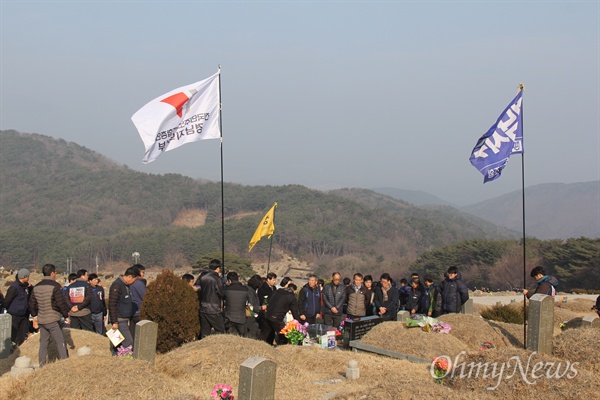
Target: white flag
[[184, 115]]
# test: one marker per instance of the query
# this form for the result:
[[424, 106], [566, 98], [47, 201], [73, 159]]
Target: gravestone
[[5, 328], [540, 323], [467, 308], [590, 321], [257, 379], [354, 330], [498, 303], [403, 315], [144, 345]]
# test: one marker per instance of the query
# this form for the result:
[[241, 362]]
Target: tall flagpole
[[271, 242], [524, 246], [222, 191]]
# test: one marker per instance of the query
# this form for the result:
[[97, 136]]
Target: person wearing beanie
[[16, 303]]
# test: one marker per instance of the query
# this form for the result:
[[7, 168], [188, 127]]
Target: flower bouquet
[[126, 352], [486, 346], [441, 328], [222, 392], [294, 331], [341, 329], [439, 369]]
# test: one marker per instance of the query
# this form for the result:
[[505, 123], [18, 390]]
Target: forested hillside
[[61, 200]]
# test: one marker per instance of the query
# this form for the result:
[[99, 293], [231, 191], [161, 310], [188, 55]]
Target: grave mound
[[579, 345], [75, 338]]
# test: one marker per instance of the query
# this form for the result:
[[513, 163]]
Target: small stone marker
[[590, 321], [5, 328], [352, 371], [402, 316], [540, 323], [257, 379], [498, 303], [354, 330], [513, 300], [467, 308], [84, 351], [22, 367], [144, 345]]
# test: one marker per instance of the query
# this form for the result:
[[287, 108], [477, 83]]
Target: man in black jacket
[[235, 298], [120, 306], [211, 297], [97, 304], [283, 300], [453, 293], [265, 292]]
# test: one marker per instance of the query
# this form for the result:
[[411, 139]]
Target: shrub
[[503, 313], [173, 305]]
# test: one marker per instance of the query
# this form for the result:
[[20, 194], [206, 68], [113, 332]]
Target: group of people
[[260, 308], [80, 304]]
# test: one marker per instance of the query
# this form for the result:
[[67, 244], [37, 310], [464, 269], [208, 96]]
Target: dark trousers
[[276, 327], [84, 323], [267, 334], [53, 330], [98, 322], [334, 320], [209, 322], [238, 329], [20, 329], [252, 324], [132, 323]]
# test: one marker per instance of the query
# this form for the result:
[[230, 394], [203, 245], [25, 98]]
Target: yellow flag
[[266, 227]]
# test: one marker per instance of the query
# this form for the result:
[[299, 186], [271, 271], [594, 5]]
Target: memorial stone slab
[[540, 324], [5, 328], [144, 345], [257, 379], [22, 367], [403, 315], [467, 308], [590, 321], [355, 329]]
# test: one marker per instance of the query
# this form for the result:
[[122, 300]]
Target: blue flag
[[490, 154]]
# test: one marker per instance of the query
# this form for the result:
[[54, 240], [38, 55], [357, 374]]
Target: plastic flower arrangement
[[126, 352], [222, 392], [341, 329], [294, 331], [563, 325], [440, 369], [486, 346], [441, 328]]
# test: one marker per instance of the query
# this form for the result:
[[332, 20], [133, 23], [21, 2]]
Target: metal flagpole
[[222, 191], [271, 242], [524, 246]]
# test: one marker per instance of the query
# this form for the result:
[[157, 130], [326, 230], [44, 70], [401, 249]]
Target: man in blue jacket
[[309, 301]]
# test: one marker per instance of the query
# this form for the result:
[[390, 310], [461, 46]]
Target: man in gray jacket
[[47, 304], [334, 296], [235, 298]]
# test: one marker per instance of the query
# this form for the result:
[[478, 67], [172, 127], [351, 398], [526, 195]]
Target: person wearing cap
[[48, 305], [16, 303]]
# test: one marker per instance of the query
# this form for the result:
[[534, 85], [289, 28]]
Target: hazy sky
[[323, 94]]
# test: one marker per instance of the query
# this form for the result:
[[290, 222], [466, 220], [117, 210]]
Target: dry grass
[[579, 345], [578, 306]]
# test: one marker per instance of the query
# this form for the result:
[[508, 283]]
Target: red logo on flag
[[177, 100]]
